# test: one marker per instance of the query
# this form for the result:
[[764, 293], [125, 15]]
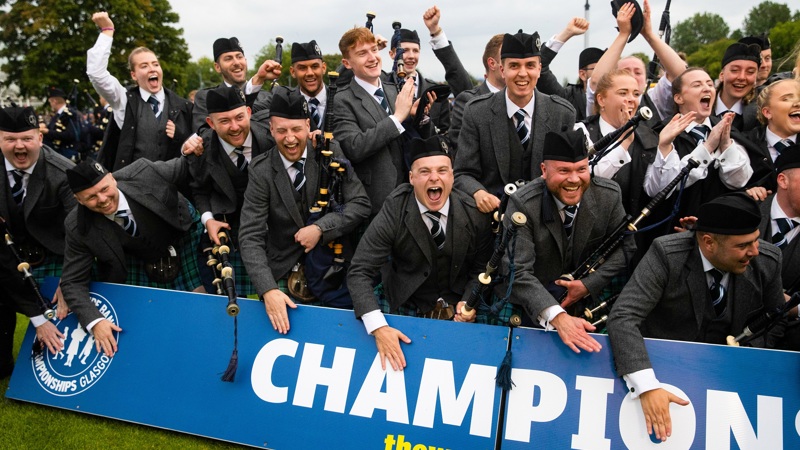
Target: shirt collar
[[367, 86], [560, 205], [773, 138], [776, 212], [286, 163], [492, 88], [720, 107], [445, 211], [121, 206], [248, 142], [707, 264], [10, 167], [512, 108], [706, 122], [605, 127], [159, 96], [322, 96], [61, 110]]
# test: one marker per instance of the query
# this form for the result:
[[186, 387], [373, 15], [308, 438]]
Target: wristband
[[107, 29]]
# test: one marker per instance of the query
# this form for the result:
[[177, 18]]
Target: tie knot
[[520, 114], [17, 174], [782, 145], [379, 93], [238, 150], [702, 129], [299, 164], [314, 101], [717, 275], [433, 214]]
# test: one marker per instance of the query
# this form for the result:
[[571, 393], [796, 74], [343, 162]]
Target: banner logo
[[78, 366]]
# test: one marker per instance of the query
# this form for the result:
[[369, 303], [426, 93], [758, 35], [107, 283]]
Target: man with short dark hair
[[569, 215], [502, 135], [699, 286], [64, 132], [308, 69], [429, 242], [34, 200], [220, 174], [231, 64], [274, 234], [135, 228]]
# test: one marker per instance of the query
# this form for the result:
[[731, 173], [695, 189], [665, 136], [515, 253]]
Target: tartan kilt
[[51, 267], [383, 302], [189, 277], [244, 288]]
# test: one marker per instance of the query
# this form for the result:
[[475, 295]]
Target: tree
[[764, 16], [785, 41], [710, 56], [700, 29], [201, 74], [46, 41]]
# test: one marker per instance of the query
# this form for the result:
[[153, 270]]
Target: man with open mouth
[[429, 242], [150, 122]]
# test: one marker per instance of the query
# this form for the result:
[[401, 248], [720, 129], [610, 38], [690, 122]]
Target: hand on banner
[[61, 305], [655, 406], [388, 341], [572, 331], [50, 337], [104, 341], [275, 303]]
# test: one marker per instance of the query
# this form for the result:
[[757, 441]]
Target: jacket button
[[425, 274]]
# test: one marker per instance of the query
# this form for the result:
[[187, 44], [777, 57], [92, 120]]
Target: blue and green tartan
[[189, 277], [383, 302], [51, 267]]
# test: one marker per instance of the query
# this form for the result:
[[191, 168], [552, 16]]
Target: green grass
[[28, 426]]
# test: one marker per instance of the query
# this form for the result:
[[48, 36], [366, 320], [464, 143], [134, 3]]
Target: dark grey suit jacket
[[270, 216], [369, 139], [542, 250], [211, 185], [667, 295], [790, 271], [457, 117], [397, 242], [48, 200], [91, 236], [483, 160]]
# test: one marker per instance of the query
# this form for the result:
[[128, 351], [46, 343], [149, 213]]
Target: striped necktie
[[782, 145], [17, 193], [718, 293], [784, 227], [313, 107], [569, 218], [436, 228], [128, 224], [153, 101], [700, 133], [522, 130], [241, 160], [300, 178], [382, 98]]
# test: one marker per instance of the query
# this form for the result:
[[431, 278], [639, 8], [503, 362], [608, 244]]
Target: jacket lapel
[[696, 284], [416, 227], [584, 222], [552, 220], [224, 182], [285, 188], [457, 220], [36, 183], [499, 132], [368, 101]]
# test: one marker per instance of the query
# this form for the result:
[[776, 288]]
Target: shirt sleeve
[[661, 172], [104, 83], [547, 316], [661, 95], [612, 162], [440, 41], [641, 381], [734, 166]]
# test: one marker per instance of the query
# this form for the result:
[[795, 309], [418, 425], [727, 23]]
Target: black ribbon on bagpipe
[[24, 267], [326, 265], [627, 227], [763, 322]]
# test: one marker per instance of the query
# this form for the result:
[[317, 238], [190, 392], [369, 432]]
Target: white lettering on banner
[[592, 420], [538, 396], [370, 397], [725, 414], [521, 410], [261, 375], [438, 381], [633, 430], [312, 374]]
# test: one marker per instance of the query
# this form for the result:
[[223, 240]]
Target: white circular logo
[[78, 366]]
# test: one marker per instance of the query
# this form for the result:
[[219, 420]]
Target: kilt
[[383, 302], [189, 277], [51, 267]]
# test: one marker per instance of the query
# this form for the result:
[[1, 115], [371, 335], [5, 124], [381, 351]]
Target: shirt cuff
[[38, 321], [93, 323], [440, 41], [671, 161], [641, 381], [554, 44], [397, 124], [208, 215], [251, 88], [374, 320], [547, 316], [733, 156]]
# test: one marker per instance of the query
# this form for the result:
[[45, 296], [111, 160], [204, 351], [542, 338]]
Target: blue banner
[[321, 385]]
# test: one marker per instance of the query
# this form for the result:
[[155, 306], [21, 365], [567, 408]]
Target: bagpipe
[[370, 15], [326, 266], [398, 66], [24, 267], [762, 323], [665, 33], [614, 240], [589, 314], [504, 242], [605, 144], [278, 58], [218, 259]]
